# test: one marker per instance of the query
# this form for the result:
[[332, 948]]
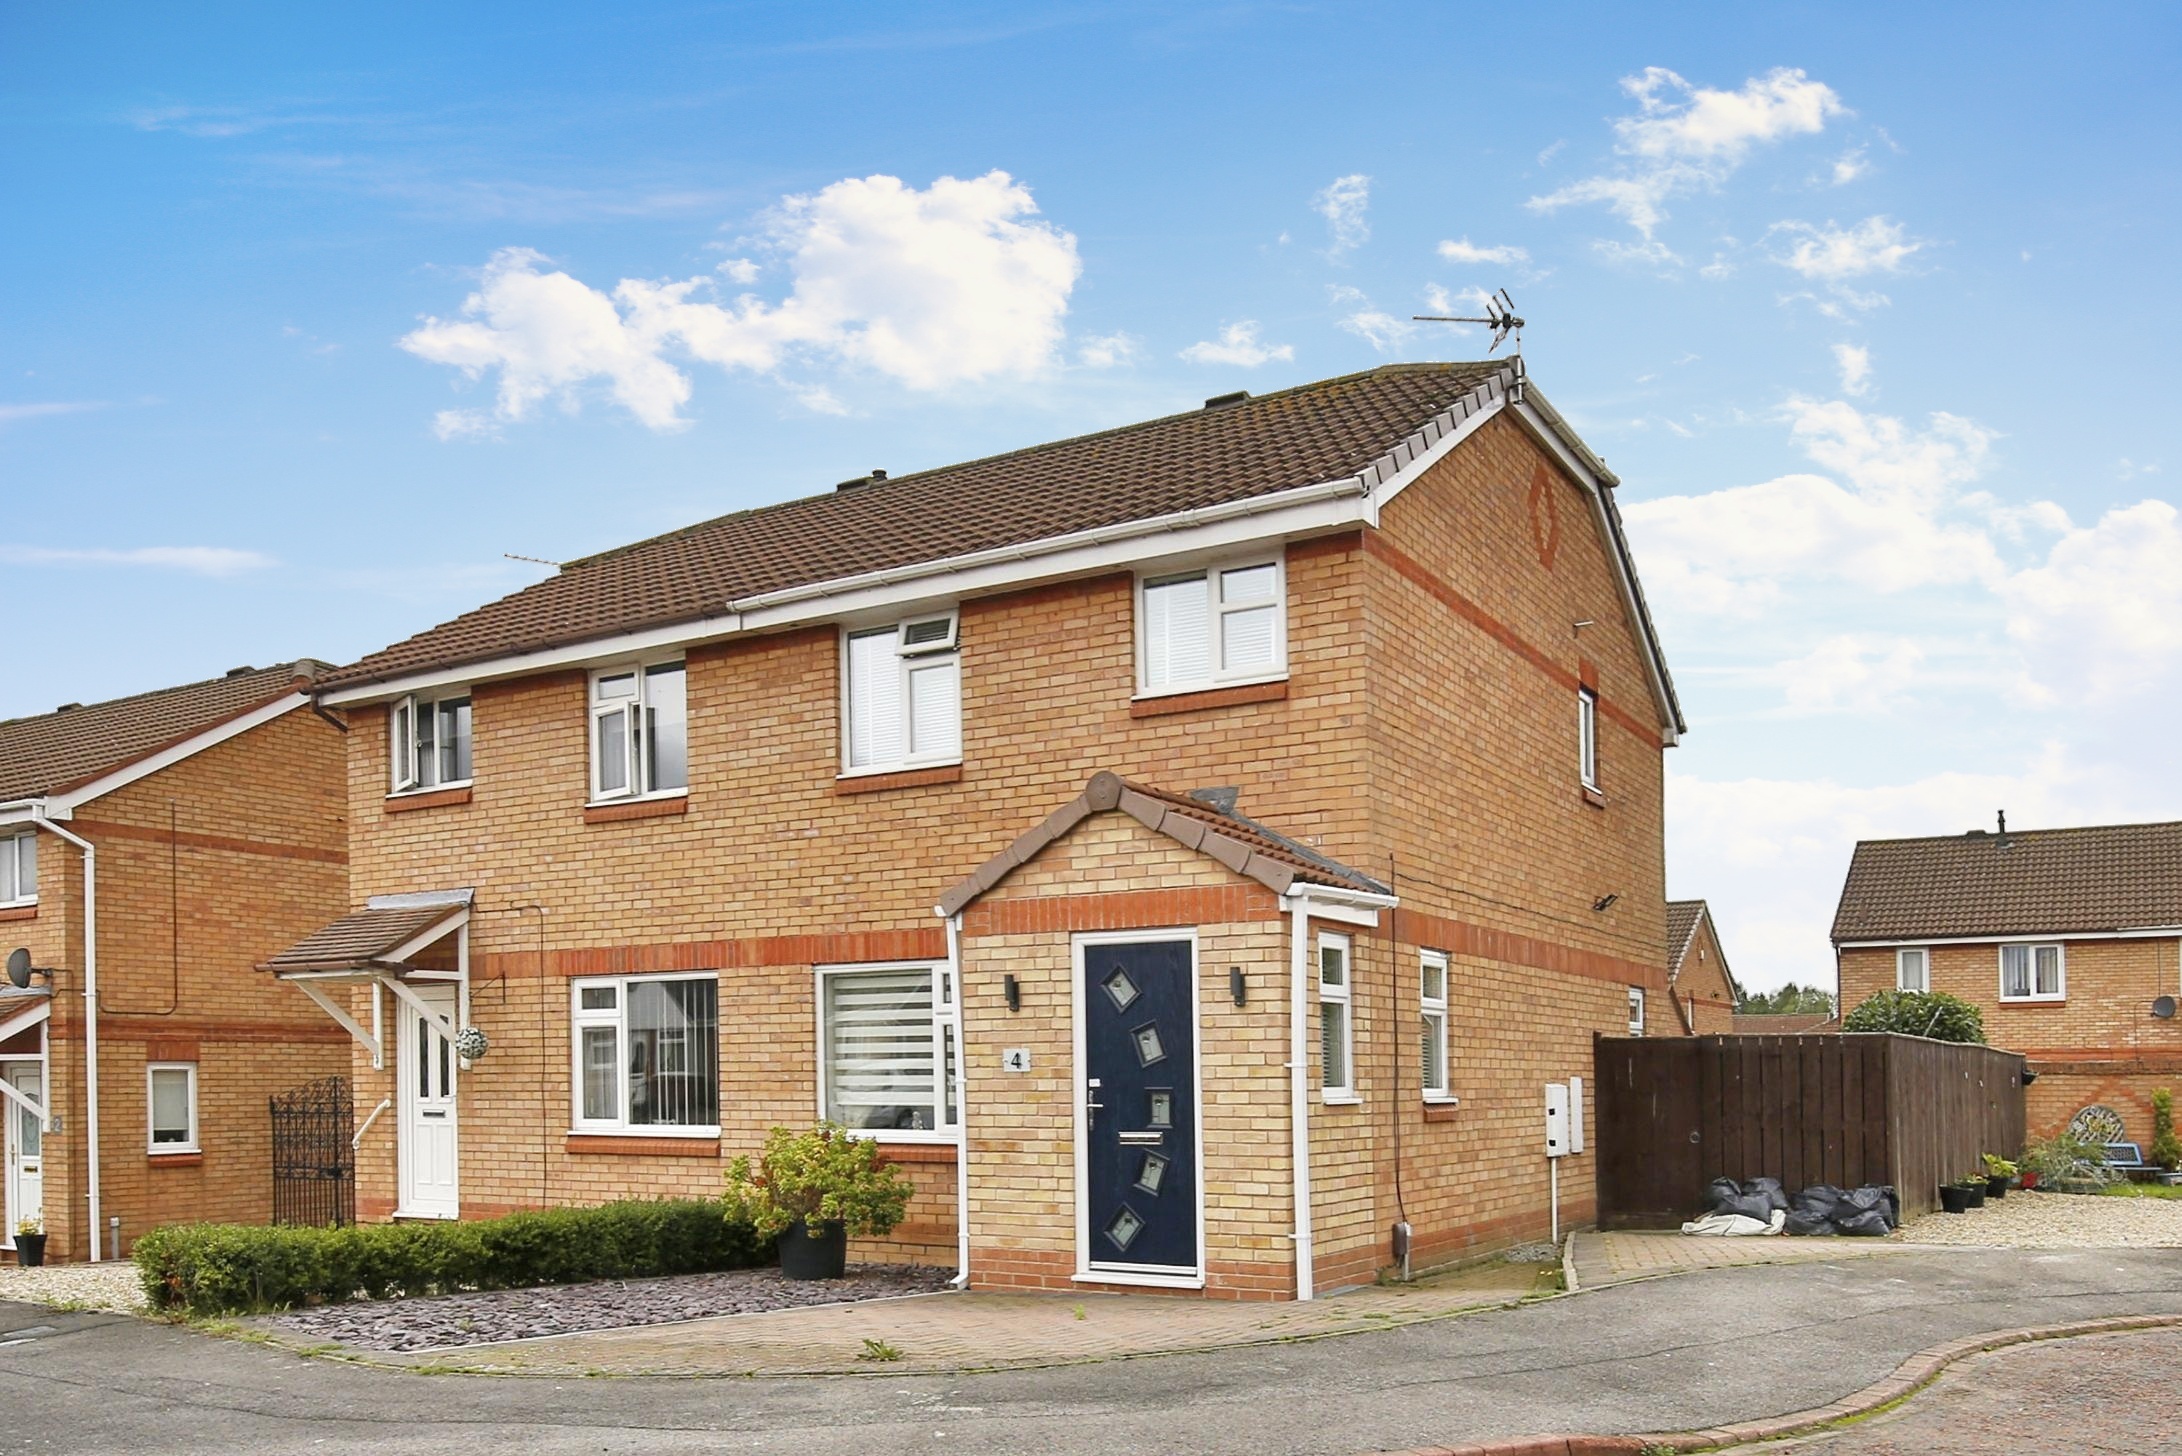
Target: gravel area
[[2055, 1221], [449, 1321], [76, 1286]]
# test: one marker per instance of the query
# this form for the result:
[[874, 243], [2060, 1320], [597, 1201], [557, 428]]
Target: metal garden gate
[[314, 1154]]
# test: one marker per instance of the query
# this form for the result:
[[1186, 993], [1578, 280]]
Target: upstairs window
[[1587, 737], [1913, 969], [1432, 1043], [1636, 1011], [1336, 1028], [647, 1052], [1203, 629], [639, 732], [19, 869], [902, 687], [431, 743], [2032, 973], [887, 1060]]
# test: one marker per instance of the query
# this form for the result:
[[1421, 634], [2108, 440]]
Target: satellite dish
[[2162, 1006], [19, 969]]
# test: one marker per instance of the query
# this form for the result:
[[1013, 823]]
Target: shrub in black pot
[[29, 1244], [812, 1190], [1954, 1198]]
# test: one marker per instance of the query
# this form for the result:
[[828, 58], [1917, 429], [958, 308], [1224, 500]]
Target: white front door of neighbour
[[25, 1138], [427, 1077]]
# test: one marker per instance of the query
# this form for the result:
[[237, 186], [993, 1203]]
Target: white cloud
[[737, 270], [820, 400], [1106, 351], [1686, 138], [2102, 617], [1885, 458], [1854, 362], [1834, 254], [1648, 254], [955, 283], [1375, 326], [1462, 250], [201, 560], [1238, 344], [1343, 203], [13, 413], [1471, 301], [1850, 673], [1849, 166], [463, 424]]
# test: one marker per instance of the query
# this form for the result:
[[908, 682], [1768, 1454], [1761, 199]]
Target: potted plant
[[1998, 1172], [2166, 1149], [1954, 1198], [810, 1191], [30, 1243]]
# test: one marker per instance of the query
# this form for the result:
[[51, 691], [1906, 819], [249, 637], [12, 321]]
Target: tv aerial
[[1499, 317]]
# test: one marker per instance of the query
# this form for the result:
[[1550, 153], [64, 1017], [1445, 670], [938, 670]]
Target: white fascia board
[[2044, 937], [1547, 434], [23, 1021], [432, 936], [1402, 466], [1339, 904], [420, 899], [1303, 510], [63, 806], [21, 811]]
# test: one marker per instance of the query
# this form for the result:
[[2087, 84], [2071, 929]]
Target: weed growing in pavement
[[879, 1350], [1076, 1310]]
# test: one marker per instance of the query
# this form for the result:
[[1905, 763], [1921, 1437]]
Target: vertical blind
[[882, 1054]]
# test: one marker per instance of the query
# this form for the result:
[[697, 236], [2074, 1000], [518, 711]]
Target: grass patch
[[879, 1350], [2142, 1190]]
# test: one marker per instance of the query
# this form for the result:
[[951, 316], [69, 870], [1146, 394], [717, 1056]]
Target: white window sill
[[662, 795], [694, 1134], [1139, 1280], [18, 904], [174, 1150], [414, 1217], [2053, 1000], [1176, 690], [417, 789], [942, 1137], [873, 770], [1441, 1099], [1341, 1099]]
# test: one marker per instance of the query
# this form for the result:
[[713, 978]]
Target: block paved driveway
[[1696, 1350]]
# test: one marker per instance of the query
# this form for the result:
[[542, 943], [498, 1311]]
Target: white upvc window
[[1913, 969], [887, 1060], [1636, 1011], [1587, 737], [901, 695], [639, 732], [19, 868], [1336, 1020], [1212, 627], [1432, 1036], [646, 1054], [429, 745], [2033, 973], [170, 1100]]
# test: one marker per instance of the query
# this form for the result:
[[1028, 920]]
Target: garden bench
[[2128, 1159]]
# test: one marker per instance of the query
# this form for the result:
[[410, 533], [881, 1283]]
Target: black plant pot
[[823, 1255], [1974, 1195], [30, 1250], [1996, 1187], [1954, 1198]]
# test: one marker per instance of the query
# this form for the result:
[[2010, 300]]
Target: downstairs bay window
[[887, 1054], [647, 1054]]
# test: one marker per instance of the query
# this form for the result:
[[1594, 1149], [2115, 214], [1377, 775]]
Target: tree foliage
[[1933, 1014], [818, 1176], [2166, 1149], [1789, 1000]]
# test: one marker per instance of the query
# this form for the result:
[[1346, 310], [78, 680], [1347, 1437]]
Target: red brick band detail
[[404, 803], [912, 778], [20, 912], [641, 809], [175, 1160], [1456, 937], [1441, 1112], [105, 829], [170, 1048], [1130, 910], [917, 1153], [651, 1147], [1415, 571], [846, 948], [1594, 798], [1271, 692]]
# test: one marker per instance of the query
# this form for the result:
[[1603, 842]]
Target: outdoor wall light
[[1605, 902], [1013, 990], [1235, 986]]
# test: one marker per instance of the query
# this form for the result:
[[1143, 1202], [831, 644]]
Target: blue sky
[[310, 318]]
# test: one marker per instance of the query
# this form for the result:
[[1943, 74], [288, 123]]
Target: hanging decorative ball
[[470, 1043]]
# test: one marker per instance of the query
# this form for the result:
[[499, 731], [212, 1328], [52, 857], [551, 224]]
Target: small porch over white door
[[426, 1072]]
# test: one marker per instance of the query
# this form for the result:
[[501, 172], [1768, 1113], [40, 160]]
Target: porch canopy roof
[[367, 942], [1204, 820]]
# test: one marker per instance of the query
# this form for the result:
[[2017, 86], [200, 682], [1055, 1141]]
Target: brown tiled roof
[[64, 749], [1683, 917], [1206, 457], [360, 940], [1243, 845], [2030, 882]]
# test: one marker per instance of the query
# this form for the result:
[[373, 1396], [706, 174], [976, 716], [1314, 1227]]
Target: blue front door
[[1140, 1107]]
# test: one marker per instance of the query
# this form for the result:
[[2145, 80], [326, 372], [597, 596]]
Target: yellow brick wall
[[1702, 986]]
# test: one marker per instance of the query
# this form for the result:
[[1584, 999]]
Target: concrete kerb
[[1907, 1379]]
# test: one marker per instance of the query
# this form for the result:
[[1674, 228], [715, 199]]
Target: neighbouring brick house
[[160, 845], [2068, 941], [1699, 983], [1189, 849]]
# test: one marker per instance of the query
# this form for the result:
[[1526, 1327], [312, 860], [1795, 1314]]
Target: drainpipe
[[1299, 1089], [90, 1010], [962, 1111]]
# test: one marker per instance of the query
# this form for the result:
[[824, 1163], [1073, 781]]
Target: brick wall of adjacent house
[[1701, 987], [204, 869], [2101, 1045]]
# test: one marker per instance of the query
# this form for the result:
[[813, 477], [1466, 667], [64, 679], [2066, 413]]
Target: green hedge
[[209, 1268]]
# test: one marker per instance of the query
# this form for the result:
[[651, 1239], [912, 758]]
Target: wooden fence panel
[[1676, 1112]]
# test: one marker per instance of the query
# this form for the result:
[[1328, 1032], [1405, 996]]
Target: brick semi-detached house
[[1702, 987], [1189, 849], [2068, 941], [154, 849]]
